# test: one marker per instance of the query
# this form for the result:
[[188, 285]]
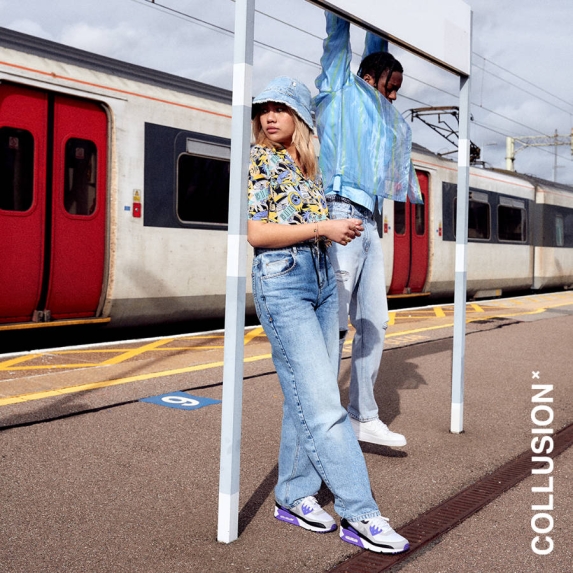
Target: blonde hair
[[302, 140]]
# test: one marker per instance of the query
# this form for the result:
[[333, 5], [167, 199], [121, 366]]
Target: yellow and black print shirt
[[280, 193]]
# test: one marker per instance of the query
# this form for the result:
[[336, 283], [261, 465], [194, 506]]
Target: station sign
[[437, 30]]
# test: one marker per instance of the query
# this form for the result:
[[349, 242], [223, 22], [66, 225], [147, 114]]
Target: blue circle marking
[[180, 400]]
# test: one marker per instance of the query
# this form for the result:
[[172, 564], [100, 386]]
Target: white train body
[[125, 216]]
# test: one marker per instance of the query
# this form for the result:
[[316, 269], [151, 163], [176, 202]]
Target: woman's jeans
[[359, 269], [296, 300]]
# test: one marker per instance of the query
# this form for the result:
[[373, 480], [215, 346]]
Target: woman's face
[[277, 122]]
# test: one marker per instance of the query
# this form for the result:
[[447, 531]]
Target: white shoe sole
[[363, 436]]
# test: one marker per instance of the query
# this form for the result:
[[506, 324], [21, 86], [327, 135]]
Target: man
[[365, 147]]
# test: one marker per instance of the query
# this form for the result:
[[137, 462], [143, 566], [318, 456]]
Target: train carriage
[[553, 235], [114, 183], [94, 221]]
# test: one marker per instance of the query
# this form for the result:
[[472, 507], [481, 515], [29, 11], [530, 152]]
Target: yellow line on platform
[[57, 366], [126, 355], [253, 334], [439, 312], [199, 367], [65, 322], [119, 381], [7, 364]]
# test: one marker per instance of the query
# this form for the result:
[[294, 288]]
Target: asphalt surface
[[96, 480]]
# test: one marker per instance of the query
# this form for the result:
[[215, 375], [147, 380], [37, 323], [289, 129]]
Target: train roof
[[537, 181], [534, 180], [47, 49]]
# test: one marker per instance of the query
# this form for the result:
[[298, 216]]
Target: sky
[[521, 81]]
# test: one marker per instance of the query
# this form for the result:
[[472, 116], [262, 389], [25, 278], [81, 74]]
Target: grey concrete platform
[[94, 480]]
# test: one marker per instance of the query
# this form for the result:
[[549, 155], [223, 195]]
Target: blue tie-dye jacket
[[365, 143]]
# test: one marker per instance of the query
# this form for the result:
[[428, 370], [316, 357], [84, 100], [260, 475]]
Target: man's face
[[389, 89]]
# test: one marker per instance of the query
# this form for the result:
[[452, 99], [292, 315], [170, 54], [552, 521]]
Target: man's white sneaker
[[307, 514], [376, 432], [374, 534]]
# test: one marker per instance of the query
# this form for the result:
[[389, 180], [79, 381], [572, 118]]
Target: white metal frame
[[437, 30]]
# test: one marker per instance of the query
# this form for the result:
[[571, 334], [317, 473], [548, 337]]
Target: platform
[[95, 480]]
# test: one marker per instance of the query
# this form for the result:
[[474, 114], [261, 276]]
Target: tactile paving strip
[[440, 519]]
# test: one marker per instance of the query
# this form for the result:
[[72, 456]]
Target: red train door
[[23, 121], [53, 173], [411, 243], [78, 209]]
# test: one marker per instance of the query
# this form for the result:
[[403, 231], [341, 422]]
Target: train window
[[80, 177], [479, 217], [202, 189], [399, 218], [559, 231], [511, 220], [16, 169], [420, 220]]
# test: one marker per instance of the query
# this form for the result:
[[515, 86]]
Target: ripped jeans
[[359, 268]]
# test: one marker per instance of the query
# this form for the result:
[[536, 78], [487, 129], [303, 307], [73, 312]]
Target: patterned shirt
[[280, 193], [365, 143]]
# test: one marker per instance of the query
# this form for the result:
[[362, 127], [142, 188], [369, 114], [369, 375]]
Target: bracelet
[[316, 233]]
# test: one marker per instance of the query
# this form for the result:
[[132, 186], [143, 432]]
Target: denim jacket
[[365, 143]]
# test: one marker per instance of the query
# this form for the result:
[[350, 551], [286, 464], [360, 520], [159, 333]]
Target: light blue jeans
[[296, 301], [359, 268]]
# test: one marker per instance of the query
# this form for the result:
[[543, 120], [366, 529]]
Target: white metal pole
[[228, 517], [458, 357], [510, 153]]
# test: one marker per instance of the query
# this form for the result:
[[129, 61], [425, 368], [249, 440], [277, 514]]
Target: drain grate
[[440, 519]]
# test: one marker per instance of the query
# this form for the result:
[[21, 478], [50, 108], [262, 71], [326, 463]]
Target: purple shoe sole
[[284, 515], [350, 536]]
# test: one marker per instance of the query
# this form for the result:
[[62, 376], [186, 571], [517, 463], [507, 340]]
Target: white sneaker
[[374, 534], [307, 514], [376, 432]]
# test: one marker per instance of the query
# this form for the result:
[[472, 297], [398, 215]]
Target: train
[[114, 194]]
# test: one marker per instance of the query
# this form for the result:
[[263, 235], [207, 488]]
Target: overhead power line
[[228, 32], [523, 80], [526, 91]]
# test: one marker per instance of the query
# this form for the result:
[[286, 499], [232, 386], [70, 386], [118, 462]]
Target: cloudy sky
[[522, 75]]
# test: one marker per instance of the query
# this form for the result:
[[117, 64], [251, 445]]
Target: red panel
[[411, 247], [419, 241], [401, 268], [78, 241], [22, 232]]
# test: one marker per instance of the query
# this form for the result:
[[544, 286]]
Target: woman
[[295, 296]]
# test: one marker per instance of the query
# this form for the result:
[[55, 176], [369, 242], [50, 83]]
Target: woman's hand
[[273, 235], [341, 231]]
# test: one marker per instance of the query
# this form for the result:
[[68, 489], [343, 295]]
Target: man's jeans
[[359, 268], [296, 300]]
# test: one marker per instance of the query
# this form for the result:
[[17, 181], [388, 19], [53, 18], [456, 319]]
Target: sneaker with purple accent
[[376, 432], [374, 534], [307, 514]]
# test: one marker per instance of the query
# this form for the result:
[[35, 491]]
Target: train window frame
[[92, 181], [559, 231], [162, 147], [28, 168], [400, 220], [419, 219], [198, 149], [476, 200], [511, 205]]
